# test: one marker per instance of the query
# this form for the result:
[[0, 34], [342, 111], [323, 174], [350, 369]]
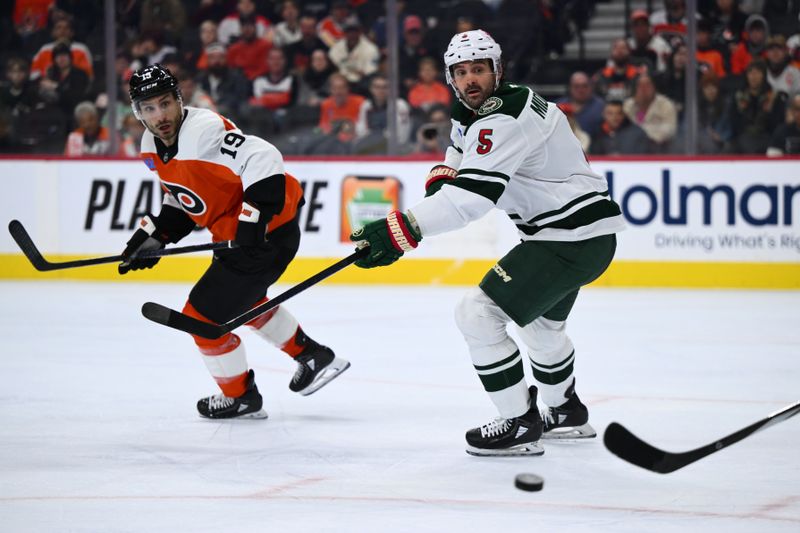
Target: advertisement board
[[697, 214]]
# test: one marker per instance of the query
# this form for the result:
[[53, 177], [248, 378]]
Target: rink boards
[[691, 223]]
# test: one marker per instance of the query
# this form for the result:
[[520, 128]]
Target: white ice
[[99, 433]]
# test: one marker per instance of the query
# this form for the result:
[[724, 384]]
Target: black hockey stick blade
[[628, 447], [25, 243], [177, 320]]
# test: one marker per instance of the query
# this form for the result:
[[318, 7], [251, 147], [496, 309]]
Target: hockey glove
[[252, 229], [141, 240], [438, 176], [388, 238]]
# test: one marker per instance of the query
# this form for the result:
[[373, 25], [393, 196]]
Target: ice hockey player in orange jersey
[[216, 177]]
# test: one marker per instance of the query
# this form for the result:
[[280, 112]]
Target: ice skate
[[508, 437], [569, 420], [317, 365], [248, 405]]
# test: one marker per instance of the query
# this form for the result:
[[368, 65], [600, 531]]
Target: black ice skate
[[513, 436], [569, 420], [248, 405], [317, 365]]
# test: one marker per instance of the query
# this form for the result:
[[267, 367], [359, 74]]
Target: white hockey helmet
[[470, 46]]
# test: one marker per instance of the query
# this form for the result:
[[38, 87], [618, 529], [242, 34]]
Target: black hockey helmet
[[152, 81]]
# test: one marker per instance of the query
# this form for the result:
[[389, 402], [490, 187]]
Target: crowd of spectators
[[311, 76]]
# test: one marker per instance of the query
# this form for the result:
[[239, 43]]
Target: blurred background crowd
[[312, 76]]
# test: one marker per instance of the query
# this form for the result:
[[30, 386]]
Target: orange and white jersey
[[211, 167]]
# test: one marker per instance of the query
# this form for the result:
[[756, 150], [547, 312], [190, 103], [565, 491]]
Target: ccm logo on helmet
[[189, 200]]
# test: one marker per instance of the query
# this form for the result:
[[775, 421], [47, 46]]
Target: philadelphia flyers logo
[[189, 200]]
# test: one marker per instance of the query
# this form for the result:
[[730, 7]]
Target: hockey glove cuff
[[388, 239], [141, 241], [252, 229], [438, 176]]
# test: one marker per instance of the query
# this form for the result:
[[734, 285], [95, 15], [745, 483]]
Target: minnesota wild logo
[[491, 104]]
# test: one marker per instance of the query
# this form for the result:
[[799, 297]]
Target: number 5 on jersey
[[484, 142]]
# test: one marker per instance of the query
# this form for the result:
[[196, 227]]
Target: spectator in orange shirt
[[752, 47], [89, 138], [340, 105], [63, 84], [62, 32], [428, 90], [706, 53], [230, 27], [330, 29], [249, 53]]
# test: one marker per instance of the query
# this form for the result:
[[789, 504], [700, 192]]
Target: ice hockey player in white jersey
[[515, 151]]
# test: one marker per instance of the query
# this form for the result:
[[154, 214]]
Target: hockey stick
[[177, 320], [632, 449], [27, 246]]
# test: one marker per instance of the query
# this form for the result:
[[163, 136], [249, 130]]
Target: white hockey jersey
[[518, 153]]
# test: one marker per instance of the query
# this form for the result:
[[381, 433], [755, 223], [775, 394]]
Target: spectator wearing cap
[[428, 91], [249, 52], [781, 74], [230, 28], [299, 53], [752, 46], [287, 31], [89, 138], [646, 47], [331, 28], [586, 106], [653, 112], [62, 32], [227, 87], [757, 111], [618, 135], [355, 56], [64, 85], [412, 50], [786, 139], [615, 80]]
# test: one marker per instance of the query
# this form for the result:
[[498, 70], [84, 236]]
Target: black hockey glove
[[141, 240], [252, 229]]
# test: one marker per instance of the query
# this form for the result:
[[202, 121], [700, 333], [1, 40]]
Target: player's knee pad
[[480, 320], [546, 340]]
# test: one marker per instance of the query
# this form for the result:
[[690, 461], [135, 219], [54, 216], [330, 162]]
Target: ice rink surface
[[99, 433]]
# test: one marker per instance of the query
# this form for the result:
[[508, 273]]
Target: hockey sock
[[495, 356], [552, 358], [224, 357], [280, 328]]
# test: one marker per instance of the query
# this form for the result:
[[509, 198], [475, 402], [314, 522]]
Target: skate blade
[[570, 433], [531, 448], [328, 373], [258, 415]]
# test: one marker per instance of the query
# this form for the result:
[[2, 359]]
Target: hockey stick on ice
[[632, 449], [27, 246], [177, 320]]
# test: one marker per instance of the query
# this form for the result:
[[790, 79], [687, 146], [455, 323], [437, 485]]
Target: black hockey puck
[[529, 482]]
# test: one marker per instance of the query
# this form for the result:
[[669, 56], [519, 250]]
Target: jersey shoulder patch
[[508, 99]]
